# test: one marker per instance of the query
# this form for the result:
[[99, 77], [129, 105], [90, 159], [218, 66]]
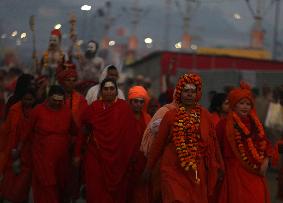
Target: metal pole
[[187, 17], [136, 17], [276, 28]]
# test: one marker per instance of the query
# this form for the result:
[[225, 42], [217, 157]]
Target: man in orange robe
[[112, 140], [16, 182], [138, 99], [49, 128], [187, 148], [67, 77]]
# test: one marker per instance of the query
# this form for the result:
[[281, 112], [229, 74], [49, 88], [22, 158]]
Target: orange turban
[[138, 92], [244, 91], [191, 78], [67, 70]]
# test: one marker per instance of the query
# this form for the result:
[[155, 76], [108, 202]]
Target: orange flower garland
[[46, 57], [186, 128], [186, 135], [251, 153]]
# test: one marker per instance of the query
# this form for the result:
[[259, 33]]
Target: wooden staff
[[34, 55], [72, 34]]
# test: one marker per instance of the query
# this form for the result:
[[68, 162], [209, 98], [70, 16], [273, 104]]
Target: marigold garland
[[186, 135], [186, 128], [46, 57], [250, 153]]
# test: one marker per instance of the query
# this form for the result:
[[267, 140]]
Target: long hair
[[23, 83]]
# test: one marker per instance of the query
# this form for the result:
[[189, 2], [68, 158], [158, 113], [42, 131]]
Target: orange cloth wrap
[[139, 92], [244, 91]]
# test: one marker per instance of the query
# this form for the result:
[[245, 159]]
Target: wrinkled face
[[69, 84], [109, 92], [53, 41], [28, 100], [225, 106], [137, 104], [91, 47], [243, 107], [113, 74], [56, 101], [188, 95]]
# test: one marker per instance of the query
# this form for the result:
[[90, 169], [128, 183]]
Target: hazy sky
[[212, 22]]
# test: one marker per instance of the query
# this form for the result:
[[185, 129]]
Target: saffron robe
[[138, 191], [239, 184], [8, 134], [50, 134], [15, 187], [149, 135], [215, 118], [178, 185], [77, 104], [110, 149]]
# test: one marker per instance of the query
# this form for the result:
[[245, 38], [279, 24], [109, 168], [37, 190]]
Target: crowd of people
[[64, 139]]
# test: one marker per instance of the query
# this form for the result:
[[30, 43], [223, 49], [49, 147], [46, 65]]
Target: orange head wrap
[[67, 70], [139, 92], [191, 78], [244, 91]]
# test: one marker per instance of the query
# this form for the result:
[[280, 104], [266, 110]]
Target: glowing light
[[58, 26], [148, 40], [178, 45], [237, 16], [85, 8], [112, 43], [14, 34], [23, 35]]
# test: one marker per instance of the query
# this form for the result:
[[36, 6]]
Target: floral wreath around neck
[[46, 55], [186, 128], [250, 152], [186, 136]]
